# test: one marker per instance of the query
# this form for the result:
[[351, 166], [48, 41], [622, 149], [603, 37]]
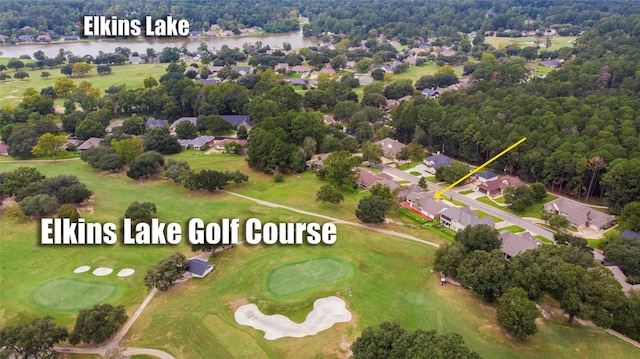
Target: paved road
[[536, 230]]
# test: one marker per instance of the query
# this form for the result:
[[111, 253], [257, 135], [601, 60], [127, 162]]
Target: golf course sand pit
[[326, 312], [71, 294], [126, 272], [102, 271], [297, 277], [81, 269]]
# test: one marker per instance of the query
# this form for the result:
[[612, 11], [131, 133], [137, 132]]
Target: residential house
[[350, 65], [317, 161], [282, 66], [329, 71], [514, 244], [219, 143], [70, 38], [630, 234], [430, 93], [215, 69], [300, 69], [328, 120], [71, 141], [365, 80], [242, 70], [209, 81], [153, 123], [297, 81], [238, 120], [405, 191], [368, 178], [390, 147], [114, 124], [197, 143], [43, 38], [458, 219], [424, 203], [135, 60], [4, 149], [496, 187], [90, 143], [436, 161], [551, 63], [175, 123], [195, 33], [579, 215], [25, 38], [199, 268], [485, 176]]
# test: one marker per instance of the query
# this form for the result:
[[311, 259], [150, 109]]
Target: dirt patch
[[87, 205], [6, 203], [236, 303]]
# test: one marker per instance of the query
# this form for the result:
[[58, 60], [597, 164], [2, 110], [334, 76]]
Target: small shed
[[199, 269]]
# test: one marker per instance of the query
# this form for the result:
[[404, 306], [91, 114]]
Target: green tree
[[630, 215], [518, 198], [625, 252], [97, 324], [159, 139], [140, 212], [38, 205], [128, 148], [186, 130], [479, 237], [372, 152], [237, 177], [377, 342], [81, 68], [89, 128], [34, 339], [538, 191], [340, 169], [449, 257], [64, 86], [372, 209], [517, 314], [21, 75], [15, 64], [176, 170], [452, 173], [15, 213], [209, 180], [329, 193], [166, 272], [20, 178], [147, 164], [68, 211], [487, 273], [558, 221], [50, 145]]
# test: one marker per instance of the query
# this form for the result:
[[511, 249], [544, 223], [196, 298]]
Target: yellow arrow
[[439, 194]]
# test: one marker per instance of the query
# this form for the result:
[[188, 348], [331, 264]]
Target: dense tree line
[[565, 271]]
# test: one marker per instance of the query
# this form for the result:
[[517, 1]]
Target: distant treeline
[[395, 18]]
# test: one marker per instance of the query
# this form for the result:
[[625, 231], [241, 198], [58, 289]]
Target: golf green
[[71, 294], [298, 277]]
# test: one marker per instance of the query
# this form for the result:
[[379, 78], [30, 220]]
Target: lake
[[141, 44]]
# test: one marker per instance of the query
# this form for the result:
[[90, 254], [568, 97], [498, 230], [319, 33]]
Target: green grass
[[457, 203], [467, 191], [415, 173], [513, 229], [432, 179], [556, 41], [130, 75], [416, 72], [542, 239], [299, 277], [406, 166], [73, 294], [534, 210], [597, 243], [413, 216], [389, 276], [482, 214]]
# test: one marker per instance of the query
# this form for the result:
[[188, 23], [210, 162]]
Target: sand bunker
[[326, 312], [102, 271], [81, 269], [126, 272]]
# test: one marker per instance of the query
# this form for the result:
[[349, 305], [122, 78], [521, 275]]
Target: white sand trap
[[326, 312], [126, 272], [81, 269], [102, 271]]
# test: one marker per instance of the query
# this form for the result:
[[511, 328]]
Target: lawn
[[513, 229], [415, 173], [131, 75], [482, 214], [408, 165], [533, 211], [389, 276], [467, 191], [556, 41]]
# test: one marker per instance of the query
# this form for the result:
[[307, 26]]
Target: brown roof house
[[458, 219], [90, 143], [368, 178], [579, 215], [514, 244], [496, 187], [390, 147], [424, 203]]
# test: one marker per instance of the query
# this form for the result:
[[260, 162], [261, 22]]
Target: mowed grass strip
[[68, 294], [299, 277]]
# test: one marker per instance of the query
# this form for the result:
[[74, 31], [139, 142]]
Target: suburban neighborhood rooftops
[[466, 217], [152, 123], [488, 175], [199, 268], [514, 244], [630, 234], [390, 145], [578, 214], [438, 160], [90, 143], [238, 120]]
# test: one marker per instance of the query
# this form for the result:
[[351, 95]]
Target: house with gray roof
[[405, 191], [630, 234], [458, 219], [114, 124], [365, 80], [317, 161], [551, 63], [297, 81], [197, 143], [238, 120], [486, 176], [199, 268], [579, 215], [90, 143], [134, 60], [430, 93], [424, 203], [209, 81], [368, 178], [175, 123], [153, 123], [514, 244], [436, 161], [390, 147]]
